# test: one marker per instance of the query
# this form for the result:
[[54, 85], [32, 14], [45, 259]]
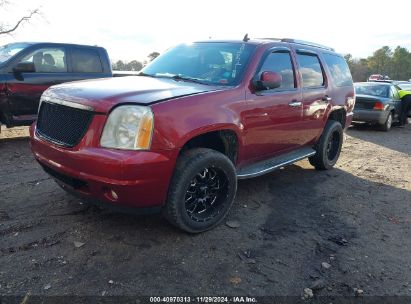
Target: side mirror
[[24, 67], [268, 81]]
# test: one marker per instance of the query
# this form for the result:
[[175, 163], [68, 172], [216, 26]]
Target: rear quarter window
[[86, 61], [340, 73]]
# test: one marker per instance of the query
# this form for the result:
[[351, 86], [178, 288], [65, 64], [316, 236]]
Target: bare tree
[[7, 28]]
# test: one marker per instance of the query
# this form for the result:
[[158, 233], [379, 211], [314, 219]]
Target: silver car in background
[[377, 103]]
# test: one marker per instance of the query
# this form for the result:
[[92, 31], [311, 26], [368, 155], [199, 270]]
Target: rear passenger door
[[86, 63], [315, 93]]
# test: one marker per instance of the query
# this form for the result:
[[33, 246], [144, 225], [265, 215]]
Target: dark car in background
[[377, 103], [27, 69]]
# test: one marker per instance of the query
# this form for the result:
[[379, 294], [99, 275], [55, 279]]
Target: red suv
[[177, 137]]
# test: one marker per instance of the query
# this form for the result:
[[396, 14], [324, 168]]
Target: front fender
[[179, 120]]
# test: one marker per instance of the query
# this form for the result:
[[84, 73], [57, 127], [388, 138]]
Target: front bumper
[[371, 116], [139, 179]]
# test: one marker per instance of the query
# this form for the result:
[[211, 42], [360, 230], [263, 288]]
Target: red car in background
[[375, 77]]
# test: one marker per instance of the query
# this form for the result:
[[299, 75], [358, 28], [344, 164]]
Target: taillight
[[379, 106]]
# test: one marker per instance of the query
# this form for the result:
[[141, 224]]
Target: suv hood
[[103, 94]]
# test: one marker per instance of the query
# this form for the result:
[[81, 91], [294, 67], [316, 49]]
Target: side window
[[48, 60], [86, 61], [394, 93], [280, 62], [311, 72], [340, 72]]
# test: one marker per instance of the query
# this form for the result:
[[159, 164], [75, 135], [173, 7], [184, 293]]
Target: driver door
[[273, 122], [25, 89]]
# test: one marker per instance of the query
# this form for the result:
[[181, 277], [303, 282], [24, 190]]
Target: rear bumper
[[371, 116], [139, 179]]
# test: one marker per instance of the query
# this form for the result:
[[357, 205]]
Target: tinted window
[[340, 73], [207, 62], [86, 61], [281, 64], [311, 72], [48, 60]]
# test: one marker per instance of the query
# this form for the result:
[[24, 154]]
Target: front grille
[[63, 125], [68, 180]]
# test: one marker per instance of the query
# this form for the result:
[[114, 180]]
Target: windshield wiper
[[185, 78], [179, 77]]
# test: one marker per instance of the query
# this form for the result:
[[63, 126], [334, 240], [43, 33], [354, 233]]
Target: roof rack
[[301, 42]]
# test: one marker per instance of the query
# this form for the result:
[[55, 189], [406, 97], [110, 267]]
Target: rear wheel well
[[224, 141], [338, 115]]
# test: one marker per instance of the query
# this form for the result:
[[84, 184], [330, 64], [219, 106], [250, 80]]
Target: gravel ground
[[338, 232]]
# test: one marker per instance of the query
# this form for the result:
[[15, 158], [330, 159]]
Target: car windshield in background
[[205, 62], [378, 90], [406, 87], [9, 50]]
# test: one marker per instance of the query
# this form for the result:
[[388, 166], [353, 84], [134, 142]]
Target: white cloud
[[133, 29]]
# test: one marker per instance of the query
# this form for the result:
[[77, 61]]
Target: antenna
[[245, 39]]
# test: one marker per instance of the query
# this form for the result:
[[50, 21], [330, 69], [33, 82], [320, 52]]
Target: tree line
[[396, 64], [133, 65]]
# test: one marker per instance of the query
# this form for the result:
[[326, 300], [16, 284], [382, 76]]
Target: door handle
[[326, 98], [295, 103]]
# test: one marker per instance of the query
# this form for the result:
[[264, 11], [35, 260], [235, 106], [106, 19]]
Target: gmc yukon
[[201, 116]]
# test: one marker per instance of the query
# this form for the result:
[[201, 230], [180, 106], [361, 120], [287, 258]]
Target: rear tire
[[328, 148], [388, 123], [202, 190]]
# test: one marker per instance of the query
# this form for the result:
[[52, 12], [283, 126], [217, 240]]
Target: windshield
[[9, 50], [213, 63], [378, 90]]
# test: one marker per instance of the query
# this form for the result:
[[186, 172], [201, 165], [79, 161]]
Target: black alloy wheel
[[206, 194], [201, 191]]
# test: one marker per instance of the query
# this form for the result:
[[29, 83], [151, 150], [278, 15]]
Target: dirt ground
[[334, 231]]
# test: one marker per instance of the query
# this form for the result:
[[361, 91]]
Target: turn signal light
[[379, 106]]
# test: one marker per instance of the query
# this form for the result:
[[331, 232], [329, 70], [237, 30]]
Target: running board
[[274, 163]]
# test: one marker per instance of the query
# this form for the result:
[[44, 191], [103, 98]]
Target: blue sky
[[132, 29]]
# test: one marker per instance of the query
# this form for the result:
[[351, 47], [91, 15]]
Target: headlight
[[129, 128]]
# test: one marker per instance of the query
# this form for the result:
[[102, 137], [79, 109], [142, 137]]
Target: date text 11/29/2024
[[209, 299]]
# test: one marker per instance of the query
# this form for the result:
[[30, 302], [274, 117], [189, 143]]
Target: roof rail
[[307, 43], [300, 42]]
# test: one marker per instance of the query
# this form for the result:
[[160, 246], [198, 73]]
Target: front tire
[[328, 148], [202, 190]]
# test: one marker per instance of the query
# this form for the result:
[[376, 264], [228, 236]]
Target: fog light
[[114, 195]]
